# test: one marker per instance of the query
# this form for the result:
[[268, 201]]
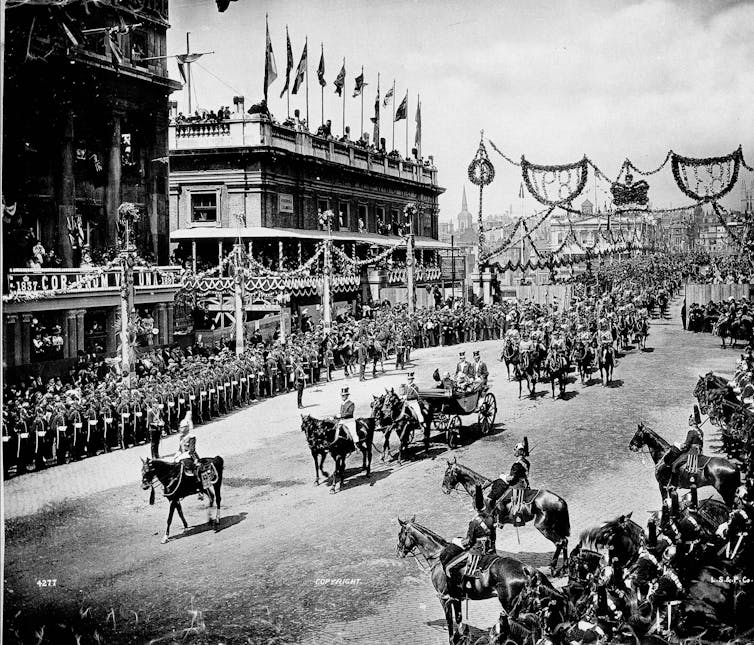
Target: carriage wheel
[[453, 431], [487, 413]]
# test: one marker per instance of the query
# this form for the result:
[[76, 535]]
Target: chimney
[[238, 103]]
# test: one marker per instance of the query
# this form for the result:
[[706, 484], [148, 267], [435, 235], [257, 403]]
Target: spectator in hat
[[479, 370]]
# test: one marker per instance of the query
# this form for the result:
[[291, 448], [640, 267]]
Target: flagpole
[[343, 92], [392, 143], [322, 87], [287, 74], [407, 123], [361, 130], [419, 125], [306, 47], [188, 74], [377, 116]]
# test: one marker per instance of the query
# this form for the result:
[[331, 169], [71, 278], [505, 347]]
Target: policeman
[[479, 541]]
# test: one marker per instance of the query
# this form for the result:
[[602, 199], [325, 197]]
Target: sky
[[552, 80]]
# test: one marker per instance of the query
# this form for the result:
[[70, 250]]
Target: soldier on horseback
[[479, 540], [690, 448], [411, 399], [518, 479], [186, 453]]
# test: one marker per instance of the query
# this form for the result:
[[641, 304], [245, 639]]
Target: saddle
[[206, 474], [520, 500], [690, 462]]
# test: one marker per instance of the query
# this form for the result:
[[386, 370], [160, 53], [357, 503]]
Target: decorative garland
[[629, 164], [506, 244], [260, 269], [680, 165], [83, 282], [530, 171], [373, 260]]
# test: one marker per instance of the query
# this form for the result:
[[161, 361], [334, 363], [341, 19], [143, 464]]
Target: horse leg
[[323, 456], [316, 469], [166, 537], [552, 385], [519, 387], [179, 508], [217, 486], [211, 501], [386, 445]]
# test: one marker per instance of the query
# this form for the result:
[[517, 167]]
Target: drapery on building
[[248, 179], [86, 118]]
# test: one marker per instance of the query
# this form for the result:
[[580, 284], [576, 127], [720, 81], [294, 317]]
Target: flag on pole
[[270, 69], [376, 118], [321, 69], [340, 80], [521, 191], [360, 84], [400, 113], [301, 69], [182, 70], [183, 60], [418, 137], [388, 97], [289, 63]]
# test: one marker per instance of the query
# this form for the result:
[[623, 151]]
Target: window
[[344, 216], [381, 224], [204, 207], [363, 219]]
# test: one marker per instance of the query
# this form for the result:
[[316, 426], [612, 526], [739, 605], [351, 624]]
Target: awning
[[263, 232]]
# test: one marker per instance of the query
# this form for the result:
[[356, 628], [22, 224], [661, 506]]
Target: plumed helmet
[[519, 447], [696, 418]]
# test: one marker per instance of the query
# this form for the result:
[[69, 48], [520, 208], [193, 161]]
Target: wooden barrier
[[703, 293]]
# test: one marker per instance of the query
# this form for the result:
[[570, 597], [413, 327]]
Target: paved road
[[263, 575]]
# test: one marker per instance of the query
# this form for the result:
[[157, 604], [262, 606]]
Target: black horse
[[557, 370], [606, 362], [177, 484], [583, 357], [402, 422], [498, 576], [548, 510], [325, 436], [718, 472], [526, 370], [510, 356]]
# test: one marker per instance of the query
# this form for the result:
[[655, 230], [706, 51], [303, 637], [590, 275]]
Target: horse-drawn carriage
[[444, 409]]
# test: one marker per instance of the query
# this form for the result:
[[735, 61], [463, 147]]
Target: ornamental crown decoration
[[629, 193], [481, 170], [130, 212]]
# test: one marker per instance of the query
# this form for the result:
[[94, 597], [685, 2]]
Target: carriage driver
[[411, 398], [345, 418], [479, 540]]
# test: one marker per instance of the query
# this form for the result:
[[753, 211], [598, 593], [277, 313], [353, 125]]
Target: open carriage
[[444, 410]]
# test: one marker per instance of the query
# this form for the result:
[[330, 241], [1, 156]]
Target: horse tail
[[219, 463], [562, 525]]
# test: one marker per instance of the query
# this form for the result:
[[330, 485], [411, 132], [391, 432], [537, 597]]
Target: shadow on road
[[225, 522], [616, 383], [648, 350], [569, 395]]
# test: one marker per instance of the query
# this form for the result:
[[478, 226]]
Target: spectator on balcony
[[86, 258], [38, 253], [346, 135], [325, 130]]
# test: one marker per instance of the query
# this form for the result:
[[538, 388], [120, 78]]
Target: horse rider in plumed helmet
[[518, 479], [479, 540], [691, 448]]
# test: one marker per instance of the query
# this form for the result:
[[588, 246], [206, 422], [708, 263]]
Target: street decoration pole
[[325, 220], [238, 280], [481, 173], [409, 212], [128, 215]]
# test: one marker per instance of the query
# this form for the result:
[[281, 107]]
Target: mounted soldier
[[683, 453], [411, 399], [518, 479], [186, 453], [479, 541]]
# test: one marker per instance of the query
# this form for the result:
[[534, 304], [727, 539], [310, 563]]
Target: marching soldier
[[39, 430], [126, 424]]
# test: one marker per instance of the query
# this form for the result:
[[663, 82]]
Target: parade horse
[[606, 363], [178, 484], [401, 420], [641, 331], [510, 355], [548, 510], [557, 370], [717, 398], [735, 328], [584, 358], [662, 303], [526, 370], [624, 333], [325, 436], [717, 472], [383, 422], [496, 575]]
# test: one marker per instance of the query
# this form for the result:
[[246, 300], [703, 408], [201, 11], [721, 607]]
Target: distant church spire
[[464, 204]]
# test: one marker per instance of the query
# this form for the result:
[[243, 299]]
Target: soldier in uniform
[[411, 398], [518, 479], [673, 458], [479, 540], [155, 424], [300, 376]]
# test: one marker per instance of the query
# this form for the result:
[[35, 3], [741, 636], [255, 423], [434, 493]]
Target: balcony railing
[[298, 286], [254, 132], [93, 280]]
